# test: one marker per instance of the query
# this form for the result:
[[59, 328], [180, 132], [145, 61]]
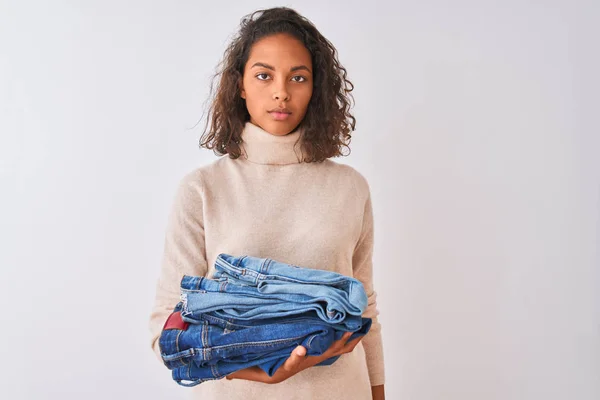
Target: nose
[[281, 93]]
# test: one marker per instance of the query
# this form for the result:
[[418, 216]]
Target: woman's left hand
[[296, 362]]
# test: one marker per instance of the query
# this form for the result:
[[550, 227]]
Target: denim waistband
[[266, 272], [201, 295]]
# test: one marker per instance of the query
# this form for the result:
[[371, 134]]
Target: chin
[[278, 128]]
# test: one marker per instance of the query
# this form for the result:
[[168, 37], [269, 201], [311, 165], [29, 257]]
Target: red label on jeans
[[175, 322]]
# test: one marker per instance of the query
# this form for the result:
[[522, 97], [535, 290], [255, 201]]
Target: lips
[[280, 115]]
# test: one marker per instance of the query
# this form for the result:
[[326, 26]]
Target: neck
[[261, 147]]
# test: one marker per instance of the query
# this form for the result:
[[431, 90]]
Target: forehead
[[280, 49]]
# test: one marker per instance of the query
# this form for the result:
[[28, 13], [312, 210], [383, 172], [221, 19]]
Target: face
[[277, 76]]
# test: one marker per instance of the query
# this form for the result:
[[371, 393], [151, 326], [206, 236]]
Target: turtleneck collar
[[261, 147]]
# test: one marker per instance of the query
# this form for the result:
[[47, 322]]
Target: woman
[[280, 111]]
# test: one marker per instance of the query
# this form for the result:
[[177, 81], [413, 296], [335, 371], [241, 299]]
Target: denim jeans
[[216, 346], [248, 288], [254, 312]]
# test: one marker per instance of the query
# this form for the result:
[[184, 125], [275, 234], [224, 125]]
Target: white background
[[476, 130]]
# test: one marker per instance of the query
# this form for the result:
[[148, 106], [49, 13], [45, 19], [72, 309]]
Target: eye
[[261, 75], [301, 77]]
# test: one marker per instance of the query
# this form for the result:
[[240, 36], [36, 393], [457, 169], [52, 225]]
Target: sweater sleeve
[[362, 265], [183, 253]]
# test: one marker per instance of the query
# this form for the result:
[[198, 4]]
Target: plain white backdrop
[[476, 130]]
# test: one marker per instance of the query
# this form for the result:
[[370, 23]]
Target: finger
[[348, 338], [344, 345], [251, 374], [351, 344], [337, 345], [294, 359], [340, 342]]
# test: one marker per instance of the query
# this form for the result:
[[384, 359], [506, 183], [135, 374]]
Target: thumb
[[294, 359]]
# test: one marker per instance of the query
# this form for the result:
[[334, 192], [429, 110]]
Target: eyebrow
[[296, 68]]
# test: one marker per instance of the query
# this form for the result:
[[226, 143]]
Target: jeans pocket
[[179, 359]]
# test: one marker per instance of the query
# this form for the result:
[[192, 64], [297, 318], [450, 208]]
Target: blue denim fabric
[[217, 346], [248, 287], [267, 274], [254, 312], [230, 300]]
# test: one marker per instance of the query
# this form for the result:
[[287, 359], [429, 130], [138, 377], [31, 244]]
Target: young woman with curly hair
[[280, 111]]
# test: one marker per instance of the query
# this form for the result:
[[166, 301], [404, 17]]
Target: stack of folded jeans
[[254, 312]]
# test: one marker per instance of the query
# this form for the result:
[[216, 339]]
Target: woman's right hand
[[296, 362]]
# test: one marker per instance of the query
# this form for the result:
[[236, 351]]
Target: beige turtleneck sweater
[[268, 204]]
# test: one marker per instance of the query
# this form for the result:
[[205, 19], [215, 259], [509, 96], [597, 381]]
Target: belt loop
[[222, 286]]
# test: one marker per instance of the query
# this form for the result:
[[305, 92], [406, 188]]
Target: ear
[[242, 91]]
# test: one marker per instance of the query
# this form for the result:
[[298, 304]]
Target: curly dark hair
[[327, 123]]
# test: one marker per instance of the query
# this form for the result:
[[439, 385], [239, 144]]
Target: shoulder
[[350, 175], [201, 175], [191, 186]]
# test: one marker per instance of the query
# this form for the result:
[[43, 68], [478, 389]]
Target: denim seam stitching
[[267, 264], [205, 339], [310, 341], [177, 341], [269, 343]]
